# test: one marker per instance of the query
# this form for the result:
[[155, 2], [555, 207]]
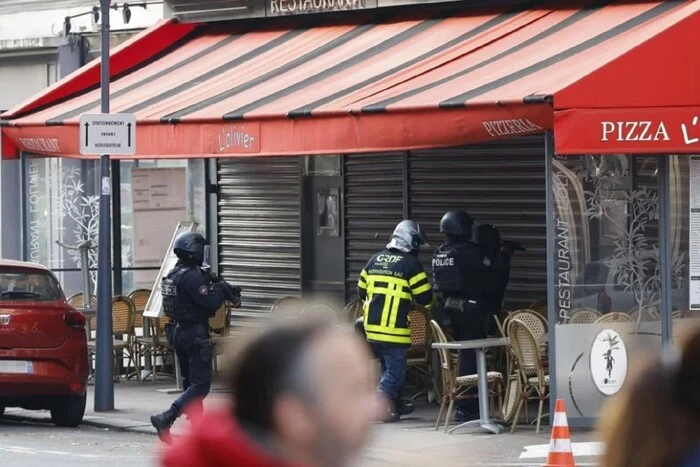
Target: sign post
[[102, 135]]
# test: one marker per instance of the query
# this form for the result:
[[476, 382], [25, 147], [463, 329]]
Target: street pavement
[[125, 437], [31, 444]]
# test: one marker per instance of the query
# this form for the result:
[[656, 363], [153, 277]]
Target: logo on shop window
[[608, 361]]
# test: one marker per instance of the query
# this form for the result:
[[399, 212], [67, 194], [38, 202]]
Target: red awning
[[381, 83]]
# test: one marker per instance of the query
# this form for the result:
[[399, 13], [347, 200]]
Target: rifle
[[513, 246], [231, 292]]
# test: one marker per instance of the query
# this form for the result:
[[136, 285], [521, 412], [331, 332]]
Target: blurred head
[[407, 237], [307, 386], [457, 225], [189, 248], [655, 420]]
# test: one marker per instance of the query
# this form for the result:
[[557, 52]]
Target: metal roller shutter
[[501, 184], [260, 231], [374, 191]]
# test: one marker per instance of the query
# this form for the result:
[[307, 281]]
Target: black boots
[[162, 423], [397, 408], [403, 407]]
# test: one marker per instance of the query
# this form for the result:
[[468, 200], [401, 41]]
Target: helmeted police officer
[[499, 255], [461, 274], [389, 284], [190, 297]]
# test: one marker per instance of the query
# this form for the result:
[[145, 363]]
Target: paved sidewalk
[[413, 442]]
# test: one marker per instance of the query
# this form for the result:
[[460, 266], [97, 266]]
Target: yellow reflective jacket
[[389, 284]]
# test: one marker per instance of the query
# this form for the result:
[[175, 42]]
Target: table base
[[490, 425]]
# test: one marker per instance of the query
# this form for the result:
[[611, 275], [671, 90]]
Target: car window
[[23, 284]]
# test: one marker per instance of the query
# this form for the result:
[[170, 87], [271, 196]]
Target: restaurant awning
[[310, 86]]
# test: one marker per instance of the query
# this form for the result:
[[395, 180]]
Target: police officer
[[190, 298], [461, 275], [499, 255], [392, 280]]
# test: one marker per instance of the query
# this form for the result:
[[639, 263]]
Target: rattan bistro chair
[[287, 308], [584, 316], [155, 347], [123, 313], [323, 311], [353, 311], [531, 367], [219, 326], [140, 298], [419, 355], [454, 387], [615, 317]]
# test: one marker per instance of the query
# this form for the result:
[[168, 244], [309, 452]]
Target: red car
[[43, 345]]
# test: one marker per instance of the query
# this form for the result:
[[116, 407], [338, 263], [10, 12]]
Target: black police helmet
[[189, 246], [457, 223]]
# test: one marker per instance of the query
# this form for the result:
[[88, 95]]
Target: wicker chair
[[531, 367], [419, 355], [540, 306], [646, 314], [76, 301], [322, 310], [615, 317], [140, 298], [533, 320], [287, 307], [682, 314], [584, 316], [454, 388], [155, 346], [353, 311], [123, 313], [219, 326]]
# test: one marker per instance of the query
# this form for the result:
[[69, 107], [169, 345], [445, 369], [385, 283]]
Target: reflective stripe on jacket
[[389, 284]]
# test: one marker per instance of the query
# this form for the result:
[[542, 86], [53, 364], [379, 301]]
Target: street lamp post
[[104, 358]]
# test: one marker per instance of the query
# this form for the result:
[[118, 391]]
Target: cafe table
[[479, 346]]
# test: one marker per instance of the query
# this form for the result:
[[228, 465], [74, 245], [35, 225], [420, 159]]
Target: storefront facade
[[323, 135]]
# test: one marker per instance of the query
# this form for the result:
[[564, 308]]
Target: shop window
[[684, 187], [607, 281], [322, 166], [328, 223], [61, 205]]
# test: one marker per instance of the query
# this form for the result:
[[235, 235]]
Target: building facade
[[323, 129]]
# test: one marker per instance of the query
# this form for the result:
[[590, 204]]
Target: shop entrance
[[323, 260]]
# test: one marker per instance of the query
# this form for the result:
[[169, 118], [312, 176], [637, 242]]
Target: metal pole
[[85, 272], [104, 361], [665, 247], [551, 272]]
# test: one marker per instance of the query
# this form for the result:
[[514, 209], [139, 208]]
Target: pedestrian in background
[[301, 396], [655, 420]]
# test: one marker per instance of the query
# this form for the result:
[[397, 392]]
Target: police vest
[[170, 287], [447, 271]]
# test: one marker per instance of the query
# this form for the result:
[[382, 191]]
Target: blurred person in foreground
[[302, 397], [655, 421]]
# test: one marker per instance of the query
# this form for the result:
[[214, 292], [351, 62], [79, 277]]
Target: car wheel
[[68, 411]]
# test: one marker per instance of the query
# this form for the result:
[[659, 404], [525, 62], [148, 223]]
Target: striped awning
[[308, 86]]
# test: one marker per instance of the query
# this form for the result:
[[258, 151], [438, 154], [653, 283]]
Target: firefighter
[[392, 280]]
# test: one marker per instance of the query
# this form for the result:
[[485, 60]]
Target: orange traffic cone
[[560, 454]]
